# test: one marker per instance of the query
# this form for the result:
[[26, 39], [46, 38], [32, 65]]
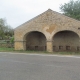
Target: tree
[[71, 9], [5, 30]]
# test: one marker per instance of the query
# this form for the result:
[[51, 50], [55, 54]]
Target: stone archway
[[66, 41], [35, 41]]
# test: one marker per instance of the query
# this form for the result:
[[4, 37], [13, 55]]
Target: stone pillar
[[18, 45], [49, 46]]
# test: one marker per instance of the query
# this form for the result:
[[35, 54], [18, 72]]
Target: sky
[[17, 12]]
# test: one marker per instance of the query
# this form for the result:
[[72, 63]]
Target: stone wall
[[7, 45], [48, 23]]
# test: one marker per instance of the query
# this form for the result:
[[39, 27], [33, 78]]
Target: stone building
[[49, 31]]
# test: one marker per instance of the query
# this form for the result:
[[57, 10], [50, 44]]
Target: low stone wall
[[7, 45]]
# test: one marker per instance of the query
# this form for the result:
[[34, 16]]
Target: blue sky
[[16, 12]]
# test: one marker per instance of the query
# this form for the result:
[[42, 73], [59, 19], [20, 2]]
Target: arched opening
[[35, 41], [66, 41]]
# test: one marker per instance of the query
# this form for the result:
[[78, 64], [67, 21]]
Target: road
[[17, 66]]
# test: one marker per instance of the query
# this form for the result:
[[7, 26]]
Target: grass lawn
[[41, 52], [21, 51], [6, 49], [67, 53]]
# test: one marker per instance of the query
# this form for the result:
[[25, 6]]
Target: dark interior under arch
[[66, 41], [36, 41]]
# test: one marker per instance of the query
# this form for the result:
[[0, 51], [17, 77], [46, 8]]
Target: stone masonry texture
[[49, 31]]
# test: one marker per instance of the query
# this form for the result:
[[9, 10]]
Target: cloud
[[19, 11]]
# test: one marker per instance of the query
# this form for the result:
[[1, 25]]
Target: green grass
[[2, 49], [6, 49], [67, 53], [41, 52]]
